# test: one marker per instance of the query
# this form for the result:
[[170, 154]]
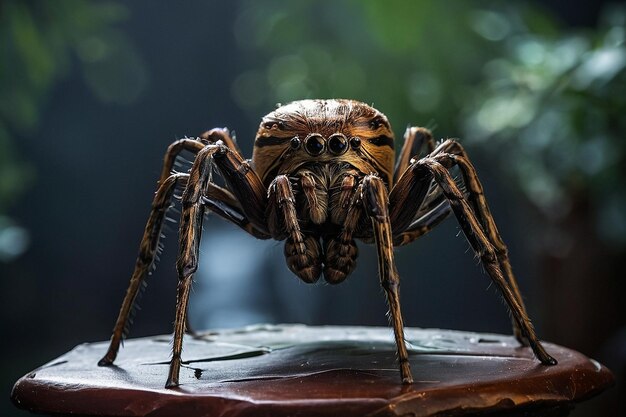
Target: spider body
[[326, 148], [321, 176]]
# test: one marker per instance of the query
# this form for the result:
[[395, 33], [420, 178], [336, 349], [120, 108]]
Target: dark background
[[137, 75]]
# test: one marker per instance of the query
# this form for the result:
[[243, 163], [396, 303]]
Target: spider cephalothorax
[[321, 176], [324, 131], [324, 147]]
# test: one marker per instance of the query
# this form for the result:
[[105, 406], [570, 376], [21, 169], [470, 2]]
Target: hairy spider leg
[[415, 140], [428, 207], [219, 200], [192, 145], [147, 253], [423, 224], [224, 202], [189, 236], [476, 197], [246, 186], [435, 168], [374, 198], [406, 234], [432, 207], [223, 134], [148, 247]]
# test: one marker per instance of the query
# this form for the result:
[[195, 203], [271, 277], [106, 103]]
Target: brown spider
[[322, 175]]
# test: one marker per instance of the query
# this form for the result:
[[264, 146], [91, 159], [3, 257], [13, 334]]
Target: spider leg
[[430, 207], [303, 253], [436, 167], [147, 252], [405, 233], [408, 221], [223, 203], [456, 155], [212, 136], [195, 146], [423, 225], [415, 139], [219, 200], [246, 186], [374, 198], [150, 242], [189, 243], [191, 145], [223, 134]]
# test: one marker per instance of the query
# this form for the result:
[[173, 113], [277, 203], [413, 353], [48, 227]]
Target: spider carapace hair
[[322, 175]]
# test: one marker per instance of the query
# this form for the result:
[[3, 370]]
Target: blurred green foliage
[[544, 104], [41, 42], [389, 53], [551, 108]]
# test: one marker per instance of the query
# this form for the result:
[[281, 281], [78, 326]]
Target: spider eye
[[337, 144], [355, 142], [295, 142], [314, 144]]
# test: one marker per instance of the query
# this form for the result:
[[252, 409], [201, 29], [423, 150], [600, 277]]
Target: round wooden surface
[[312, 371]]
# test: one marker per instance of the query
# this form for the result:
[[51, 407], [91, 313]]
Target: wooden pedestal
[[290, 370]]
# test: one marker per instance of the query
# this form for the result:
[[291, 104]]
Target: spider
[[322, 174]]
